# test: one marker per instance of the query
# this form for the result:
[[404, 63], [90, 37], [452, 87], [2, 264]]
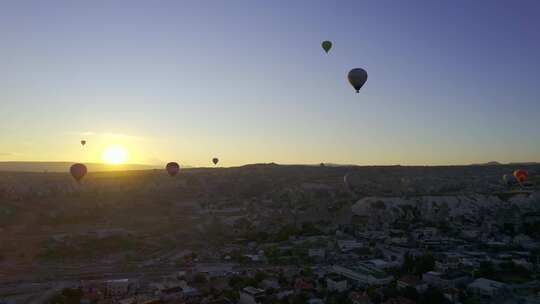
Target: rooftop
[[252, 290], [410, 280], [486, 284]]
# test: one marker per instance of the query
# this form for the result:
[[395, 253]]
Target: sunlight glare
[[115, 155]]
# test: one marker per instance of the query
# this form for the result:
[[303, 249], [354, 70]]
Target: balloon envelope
[[326, 45], [78, 171], [357, 77], [172, 168], [353, 180], [521, 175], [215, 160], [83, 142]]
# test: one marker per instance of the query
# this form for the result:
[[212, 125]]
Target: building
[[432, 278], [348, 245], [487, 288], [382, 264], [412, 282], [251, 295], [270, 283], [118, 287], [397, 254], [303, 284], [451, 279], [359, 298], [213, 270], [451, 294], [335, 282], [317, 253], [363, 274], [399, 300]]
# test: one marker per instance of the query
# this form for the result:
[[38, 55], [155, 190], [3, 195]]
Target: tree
[[432, 295], [339, 298], [67, 296], [410, 293], [200, 278], [259, 276], [282, 280], [485, 270], [473, 300], [425, 263], [235, 282], [299, 299], [378, 205], [284, 233], [408, 263]]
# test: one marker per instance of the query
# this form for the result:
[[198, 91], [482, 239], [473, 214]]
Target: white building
[[382, 264], [213, 270], [270, 283], [432, 278], [348, 245], [316, 253], [251, 295], [446, 280], [118, 287], [336, 283], [412, 282], [363, 274], [487, 288]]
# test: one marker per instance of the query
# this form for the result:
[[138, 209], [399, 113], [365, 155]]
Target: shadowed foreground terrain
[[145, 222]]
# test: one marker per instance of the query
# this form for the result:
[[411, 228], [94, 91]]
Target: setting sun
[[115, 155]]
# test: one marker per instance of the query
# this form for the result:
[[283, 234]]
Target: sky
[[450, 82]]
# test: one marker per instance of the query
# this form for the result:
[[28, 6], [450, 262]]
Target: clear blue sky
[[450, 82]]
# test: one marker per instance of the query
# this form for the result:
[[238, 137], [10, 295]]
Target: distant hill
[[496, 163], [64, 167], [524, 164], [29, 166], [491, 163]]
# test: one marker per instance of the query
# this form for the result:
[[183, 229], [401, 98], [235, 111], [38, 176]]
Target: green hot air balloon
[[326, 45]]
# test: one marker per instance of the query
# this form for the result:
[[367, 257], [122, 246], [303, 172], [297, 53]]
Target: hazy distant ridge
[[29, 166], [496, 163], [64, 166]]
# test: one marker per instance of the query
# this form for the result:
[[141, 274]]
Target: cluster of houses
[[311, 244], [355, 269], [472, 261]]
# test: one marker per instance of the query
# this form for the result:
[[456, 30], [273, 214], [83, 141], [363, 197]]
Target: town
[[271, 233]]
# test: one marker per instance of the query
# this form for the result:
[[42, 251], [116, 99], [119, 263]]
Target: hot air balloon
[[78, 171], [348, 180], [357, 78], [215, 160], [521, 175], [83, 142], [353, 180], [506, 180], [172, 168], [326, 45]]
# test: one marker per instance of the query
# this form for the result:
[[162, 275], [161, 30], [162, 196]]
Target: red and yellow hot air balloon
[[521, 175], [172, 168], [78, 171]]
